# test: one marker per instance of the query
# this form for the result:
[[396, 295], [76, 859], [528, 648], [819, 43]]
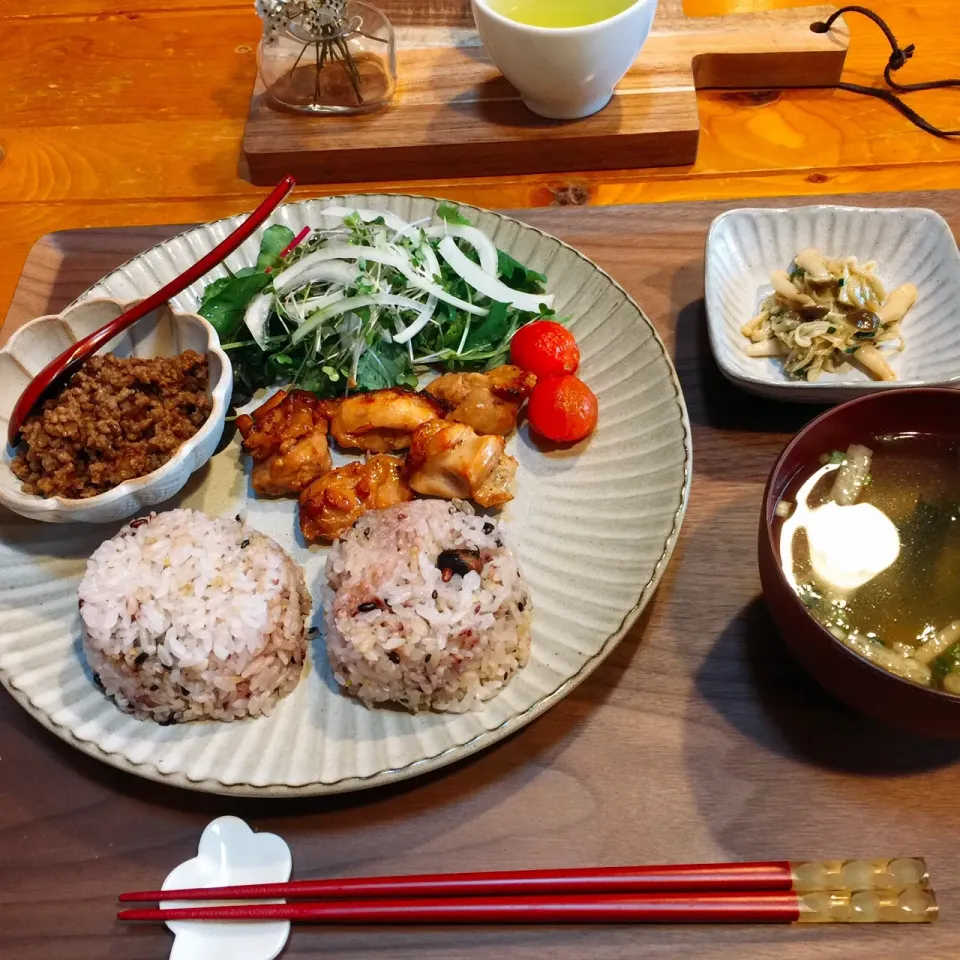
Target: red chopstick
[[292, 245], [64, 362], [766, 876], [593, 908]]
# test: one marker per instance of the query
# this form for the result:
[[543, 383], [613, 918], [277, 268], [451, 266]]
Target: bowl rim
[[218, 411], [772, 544], [583, 30], [716, 327]]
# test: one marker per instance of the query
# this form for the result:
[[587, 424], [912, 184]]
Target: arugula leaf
[[518, 277], [212, 289], [491, 330], [224, 308], [450, 214], [315, 379], [385, 365], [275, 240]]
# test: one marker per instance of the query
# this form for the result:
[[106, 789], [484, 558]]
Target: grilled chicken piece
[[449, 460], [287, 436], [285, 417], [487, 402], [383, 420], [286, 474], [495, 490], [332, 504]]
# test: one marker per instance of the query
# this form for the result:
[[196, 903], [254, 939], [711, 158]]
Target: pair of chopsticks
[[762, 892]]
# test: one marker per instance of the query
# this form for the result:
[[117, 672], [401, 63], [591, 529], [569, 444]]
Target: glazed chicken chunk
[[449, 460], [383, 420], [487, 402], [332, 504], [287, 437]]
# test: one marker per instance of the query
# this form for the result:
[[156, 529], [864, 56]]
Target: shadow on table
[[518, 759], [713, 401], [773, 701]]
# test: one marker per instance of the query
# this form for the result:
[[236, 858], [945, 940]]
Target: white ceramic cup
[[564, 73]]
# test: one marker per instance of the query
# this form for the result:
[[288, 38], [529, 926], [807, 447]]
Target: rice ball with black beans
[[187, 617], [425, 606]]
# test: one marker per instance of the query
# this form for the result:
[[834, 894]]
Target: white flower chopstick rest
[[229, 853]]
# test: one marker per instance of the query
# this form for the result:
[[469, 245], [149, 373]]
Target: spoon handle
[[89, 345]]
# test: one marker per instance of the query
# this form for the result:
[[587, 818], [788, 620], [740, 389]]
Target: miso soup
[[870, 540]]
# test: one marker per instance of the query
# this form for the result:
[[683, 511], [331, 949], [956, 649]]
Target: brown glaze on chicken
[[487, 402], [332, 504], [496, 489], [286, 474], [383, 420], [287, 436], [449, 460]]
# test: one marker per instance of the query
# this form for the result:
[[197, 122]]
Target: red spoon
[[73, 356]]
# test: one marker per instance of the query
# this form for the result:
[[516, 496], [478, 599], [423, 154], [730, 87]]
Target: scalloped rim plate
[[910, 244], [594, 526]]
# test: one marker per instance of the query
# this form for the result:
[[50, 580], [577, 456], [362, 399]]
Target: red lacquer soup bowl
[[848, 676]]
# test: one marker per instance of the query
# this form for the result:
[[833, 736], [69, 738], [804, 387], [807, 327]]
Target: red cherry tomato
[[563, 409], [545, 348]]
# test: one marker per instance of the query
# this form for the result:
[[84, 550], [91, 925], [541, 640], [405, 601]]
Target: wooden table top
[[698, 739], [131, 112]]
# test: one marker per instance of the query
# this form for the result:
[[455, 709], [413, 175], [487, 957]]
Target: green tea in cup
[[559, 13], [565, 57]]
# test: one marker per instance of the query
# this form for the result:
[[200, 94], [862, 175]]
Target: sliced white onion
[[441, 294], [409, 229], [394, 257], [431, 287], [433, 264], [489, 286], [426, 315], [489, 258], [391, 257], [346, 305], [303, 308], [325, 264], [256, 316], [350, 304], [366, 215]]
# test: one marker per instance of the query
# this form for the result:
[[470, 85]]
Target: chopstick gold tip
[[910, 905], [898, 873]]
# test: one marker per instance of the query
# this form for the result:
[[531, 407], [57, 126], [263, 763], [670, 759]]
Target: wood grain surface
[[698, 739], [450, 94], [124, 112]]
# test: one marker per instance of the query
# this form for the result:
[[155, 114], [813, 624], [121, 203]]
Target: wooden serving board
[[698, 739], [455, 115]]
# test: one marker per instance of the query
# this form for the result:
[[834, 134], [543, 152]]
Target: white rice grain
[[425, 644], [187, 617]]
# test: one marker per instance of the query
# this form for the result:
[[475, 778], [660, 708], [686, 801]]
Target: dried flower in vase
[[326, 56], [312, 15]]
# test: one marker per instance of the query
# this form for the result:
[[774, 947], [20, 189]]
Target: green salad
[[367, 301]]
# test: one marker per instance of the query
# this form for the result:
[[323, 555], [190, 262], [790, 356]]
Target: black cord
[[899, 56]]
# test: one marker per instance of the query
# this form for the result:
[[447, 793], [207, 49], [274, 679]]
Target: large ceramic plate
[[594, 526]]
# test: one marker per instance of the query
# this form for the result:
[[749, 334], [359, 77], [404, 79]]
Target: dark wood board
[[455, 115], [699, 738]]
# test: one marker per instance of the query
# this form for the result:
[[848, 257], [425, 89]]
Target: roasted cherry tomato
[[563, 409], [545, 348]]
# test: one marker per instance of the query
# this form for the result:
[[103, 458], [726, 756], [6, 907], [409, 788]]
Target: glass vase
[[349, 66]]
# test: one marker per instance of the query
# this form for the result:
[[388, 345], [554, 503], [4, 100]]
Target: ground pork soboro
[[117, 419]]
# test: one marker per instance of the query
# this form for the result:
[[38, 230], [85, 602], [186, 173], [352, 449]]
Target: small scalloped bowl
[[163, 333], [909, 244]]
